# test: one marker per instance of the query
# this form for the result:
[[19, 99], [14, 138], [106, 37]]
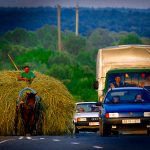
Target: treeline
[[113, 19], [75, 65]]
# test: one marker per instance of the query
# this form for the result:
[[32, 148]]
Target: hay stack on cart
[[57, 103]]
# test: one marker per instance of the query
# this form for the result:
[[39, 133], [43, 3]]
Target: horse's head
[[31, 99], [31, 95]]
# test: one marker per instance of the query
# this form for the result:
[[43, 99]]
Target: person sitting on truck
[[117, 82]]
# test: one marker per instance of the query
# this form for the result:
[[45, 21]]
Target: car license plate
[[130, 121], [93, 123]]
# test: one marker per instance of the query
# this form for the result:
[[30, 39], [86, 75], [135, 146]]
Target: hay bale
[[58, 101]]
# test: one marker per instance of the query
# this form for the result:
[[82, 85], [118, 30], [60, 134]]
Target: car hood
[[90, 114], [127, 107]]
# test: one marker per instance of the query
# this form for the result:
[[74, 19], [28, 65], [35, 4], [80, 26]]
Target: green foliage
[[131, 38], [83, 89], [81, 83], [74, 44], [60, 58], [38, 66], [21, 37], [60, 71], [87, 58], [47, 37], [99, 38], [37, 55], [75, 65]]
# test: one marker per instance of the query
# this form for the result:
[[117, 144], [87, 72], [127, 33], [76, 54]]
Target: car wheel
[[104, 129], [76, 130]]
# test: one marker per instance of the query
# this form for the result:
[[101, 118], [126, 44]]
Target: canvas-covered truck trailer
[[130, 62]]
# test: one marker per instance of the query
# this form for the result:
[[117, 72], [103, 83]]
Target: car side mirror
[[95, 85]]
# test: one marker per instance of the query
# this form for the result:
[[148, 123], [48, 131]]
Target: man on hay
[[27, 75], [22, 101]]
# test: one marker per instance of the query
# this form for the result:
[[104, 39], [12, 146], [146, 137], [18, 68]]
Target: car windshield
[[87, 107], [127, 96]]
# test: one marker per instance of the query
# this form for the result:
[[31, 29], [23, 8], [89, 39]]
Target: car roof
[[85, 103]]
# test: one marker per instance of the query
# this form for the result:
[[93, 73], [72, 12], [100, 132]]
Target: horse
[[28, 110]]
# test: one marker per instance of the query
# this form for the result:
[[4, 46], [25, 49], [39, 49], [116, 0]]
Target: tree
[[99, 38], [131, 38], [60, 58], [22, 37], [34, 55], [61, 71], [74, 44], [47, 37]]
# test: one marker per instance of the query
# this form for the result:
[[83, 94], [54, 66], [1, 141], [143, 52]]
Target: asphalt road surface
[[81, 141]]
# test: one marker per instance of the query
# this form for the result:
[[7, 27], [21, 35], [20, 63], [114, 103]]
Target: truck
[[130, 62]]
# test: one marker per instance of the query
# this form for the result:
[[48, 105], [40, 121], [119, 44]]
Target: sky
[[142, 4]]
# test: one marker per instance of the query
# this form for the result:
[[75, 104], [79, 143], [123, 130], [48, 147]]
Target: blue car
[[124, 109]]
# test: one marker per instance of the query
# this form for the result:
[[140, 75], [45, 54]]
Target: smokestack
[[59, 28], [77, 20]]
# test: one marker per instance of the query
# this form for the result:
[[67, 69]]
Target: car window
[[126, 96], [87, 107]]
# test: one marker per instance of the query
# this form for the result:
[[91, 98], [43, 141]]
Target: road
[[81, 141]]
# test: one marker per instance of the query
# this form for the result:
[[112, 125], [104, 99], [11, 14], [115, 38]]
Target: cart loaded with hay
[[48, 98]]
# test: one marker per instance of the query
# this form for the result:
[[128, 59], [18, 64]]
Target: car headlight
[[81, 119], [146, 114], [112, 115]]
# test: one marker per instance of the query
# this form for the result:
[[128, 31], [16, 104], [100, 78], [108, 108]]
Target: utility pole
[[59, 27], [77, 20]]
